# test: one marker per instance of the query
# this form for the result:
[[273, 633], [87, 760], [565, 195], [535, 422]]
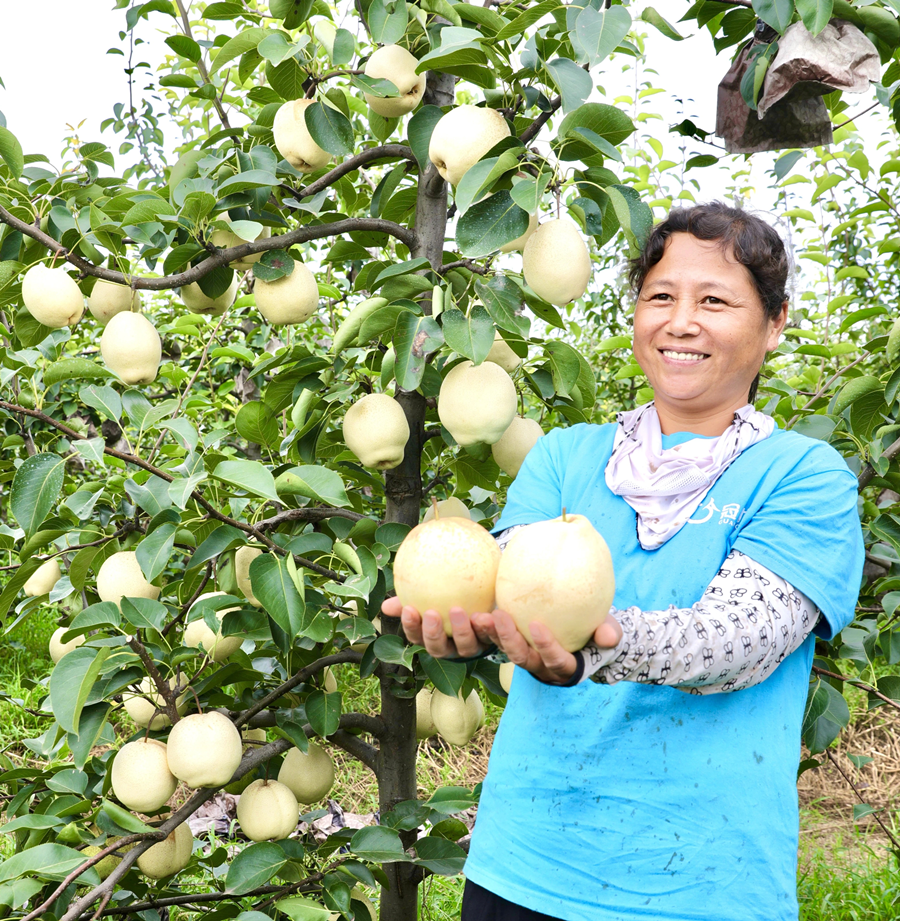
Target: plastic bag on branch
[[790, 111]]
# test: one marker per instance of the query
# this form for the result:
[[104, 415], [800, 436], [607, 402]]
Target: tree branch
[[857, 684], [532, 130], [868, 472], [355, 746], [161, 684], [463, 264], [307, 514], [370, 155], [204, 73]]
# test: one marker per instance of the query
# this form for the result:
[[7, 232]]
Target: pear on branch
[[293, 298], [447, 508], [42, 580], [395, 63], [376, 431], [226, 239], [120, 577], [243, 557], [293, 140], [198, 634], [455, 719], [519, 243], [501, 354], [147, 708], [51, 296], [511, 450], [107, 298], [204, 749], [169, 856], [140, 776], [131, 347], [58, 648], [197, 302], [462, 137], [267, 810], [476, 403], [310, 776], [556, 262]]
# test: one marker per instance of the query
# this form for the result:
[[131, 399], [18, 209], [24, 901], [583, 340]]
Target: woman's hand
[[546, 660]]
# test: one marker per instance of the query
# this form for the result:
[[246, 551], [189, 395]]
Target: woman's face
[[700, 330]]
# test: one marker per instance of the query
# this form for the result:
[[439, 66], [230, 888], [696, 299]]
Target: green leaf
[[565, 365], [419, 131], [235, 47], [71, 681], [440, 855], [287, 79], [447, 676], [826, 715], [415, 338], [598, 33], [74, 369], [250, 476], [47, 861], [610, 123], [155, 550], [490, 223], [503, 300], [274, 264], [387, 20], [855, 390], [472, 336], [298, 908], [574, 83], [330, 129], [124, 819], [656, 20], [275, 589], [223, 538], [293, 12], [257, 423], [634, 215], [776, 13], [815, 13], [323, 712], [104, 399], [148, 210], [184, 46], [448, 800], [254, 866], [518, 25], [144, 613], [379, 844], [317, 483], [11, 151], [248, 179], [35, 490]]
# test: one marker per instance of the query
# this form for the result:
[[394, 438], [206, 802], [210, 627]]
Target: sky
[[72, 79]]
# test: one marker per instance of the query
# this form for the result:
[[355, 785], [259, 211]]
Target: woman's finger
[[412, 625], [513, 643], [559, 662], [464, 637], [434, 638], [608, 634], [483, 625], [391, 607]]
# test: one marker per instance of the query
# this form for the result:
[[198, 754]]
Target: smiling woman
[[664, 786]]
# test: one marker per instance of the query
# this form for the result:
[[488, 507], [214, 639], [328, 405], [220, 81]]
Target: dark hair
[[755, 245]]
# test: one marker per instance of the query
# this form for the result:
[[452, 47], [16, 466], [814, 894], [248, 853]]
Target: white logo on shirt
[[710, 508], [731, 513]]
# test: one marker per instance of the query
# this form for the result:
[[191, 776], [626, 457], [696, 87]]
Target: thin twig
[[859, 795], [858, 684]]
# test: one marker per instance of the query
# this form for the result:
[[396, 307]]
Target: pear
[[58, 649], [310, 776], [425, 727], [462, 137], [146, 708], [507, 669], [120, 577], [376, 431], [447, 563], [42, 580], [329, 682], [556, 263], [510, 451], [197, 302], [204, 749], [394, 63], [51, 296], [293, 140], [476, 403], [198, 634], [455, 719], [131, 347], [171, 855], [290, 299], [225, 239], [108, 298], [519, 243], [448, 508], [140, 776], [267, 810], [501, 354], [243, 557], [105, 866], [560, 574]]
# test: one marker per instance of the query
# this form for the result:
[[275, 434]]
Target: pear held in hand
[[559, 573]]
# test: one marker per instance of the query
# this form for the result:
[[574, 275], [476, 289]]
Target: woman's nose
[[682, 320]]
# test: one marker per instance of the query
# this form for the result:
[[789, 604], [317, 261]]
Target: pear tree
[[335, 255]]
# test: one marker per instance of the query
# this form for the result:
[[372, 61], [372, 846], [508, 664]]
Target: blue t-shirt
[[627, 802]]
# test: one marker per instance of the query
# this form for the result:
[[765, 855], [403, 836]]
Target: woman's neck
[[714, 423]]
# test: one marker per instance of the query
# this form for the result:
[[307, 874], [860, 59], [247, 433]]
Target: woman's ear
[[776, 328]]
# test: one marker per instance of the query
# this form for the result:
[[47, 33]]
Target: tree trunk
[[403, 488]]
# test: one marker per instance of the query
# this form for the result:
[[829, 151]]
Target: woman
[[665, 786]]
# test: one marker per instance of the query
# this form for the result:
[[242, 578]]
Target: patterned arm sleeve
[[747, 621]]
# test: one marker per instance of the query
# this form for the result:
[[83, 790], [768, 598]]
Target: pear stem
[[434, 505], [564, 514]]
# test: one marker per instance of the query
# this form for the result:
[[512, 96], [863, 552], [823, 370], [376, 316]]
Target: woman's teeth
[[683, 356]]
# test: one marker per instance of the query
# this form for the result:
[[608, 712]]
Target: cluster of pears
[[558, 573]]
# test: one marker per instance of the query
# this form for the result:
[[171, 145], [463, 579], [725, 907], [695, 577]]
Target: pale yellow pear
[[448, 508], [310, 776], [147, 708], [243, 557], [462, 137], [226, 239], [107, 298], [42, 580], [376, 431], [329, 682], [455, 719], [507, 669], [198, 634], [204, 749], [131, 347], [293, 140], [476, 403], [394, 63], [197, 302], [446, 563], [58, 648], [267, 810], [519, 242], [171, 855], [106, 865], [556, 262], [140, 776], [51, 296], [559, 573], [120, 576], [425, 727], [290, 299], [501, 354], [511, 450]]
